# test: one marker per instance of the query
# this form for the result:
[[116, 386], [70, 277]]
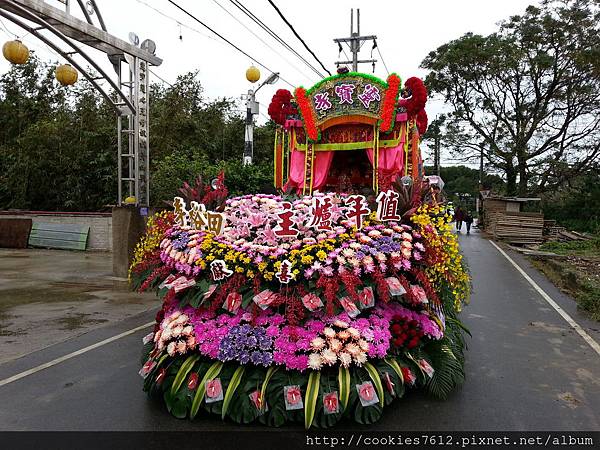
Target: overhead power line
[[161, 78], [225, 39], [260, 39], [383, 61], [195, 30], [274, 35], [298, 36]]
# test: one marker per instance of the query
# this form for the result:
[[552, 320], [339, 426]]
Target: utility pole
[[251, 109], [435, 127], [481, 166], [355, 43], [437, 153]]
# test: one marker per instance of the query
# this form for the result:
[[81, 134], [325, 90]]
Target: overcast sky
[[406, 32]]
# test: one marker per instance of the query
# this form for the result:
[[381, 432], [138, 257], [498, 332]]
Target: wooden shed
[[504, 218]]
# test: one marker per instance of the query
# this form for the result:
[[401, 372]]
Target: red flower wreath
[[307, 114], [389, 102], [281, 106]]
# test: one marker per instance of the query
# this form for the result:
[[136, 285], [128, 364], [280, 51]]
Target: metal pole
[[249, 137], [437, 153], [355, 43], [481, 168]]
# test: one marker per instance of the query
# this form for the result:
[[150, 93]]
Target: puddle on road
[[78, 320]]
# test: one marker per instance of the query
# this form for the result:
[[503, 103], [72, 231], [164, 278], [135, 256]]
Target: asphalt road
[[527, 369]]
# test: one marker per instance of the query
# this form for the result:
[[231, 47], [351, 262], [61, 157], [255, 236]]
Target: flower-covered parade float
[[325, 302]]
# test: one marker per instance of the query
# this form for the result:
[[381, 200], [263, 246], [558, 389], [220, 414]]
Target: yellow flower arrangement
[[434, 223], [150, 242]]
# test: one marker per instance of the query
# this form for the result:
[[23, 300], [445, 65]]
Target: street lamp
[[252, 109]]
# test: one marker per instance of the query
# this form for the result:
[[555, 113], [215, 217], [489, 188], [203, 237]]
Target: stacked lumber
[[565, 235], [519, 227], [493, 210]]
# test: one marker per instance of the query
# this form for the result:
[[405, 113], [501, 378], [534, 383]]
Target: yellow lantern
[[252, 74], [16, 52], [130, 200], [66, 74]]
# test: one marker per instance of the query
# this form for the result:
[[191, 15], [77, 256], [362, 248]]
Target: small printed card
[[408, 375], [367, 394], [395, 287], [147, 368], [367, 298], [293, 397], [265, 298], [214, 391], [349, 306], [426, 367], [167, 281], [312, 302], [233, 302], [148, 338], [257, 401], [331, 403], [387, 380]]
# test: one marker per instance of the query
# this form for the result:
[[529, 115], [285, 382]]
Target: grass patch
[[589, 248], [575, 279]]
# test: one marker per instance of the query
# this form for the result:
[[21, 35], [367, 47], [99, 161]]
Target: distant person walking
[[459, 217], [469, 221]]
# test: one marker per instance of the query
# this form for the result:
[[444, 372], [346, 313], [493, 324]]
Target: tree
[[58, 145], [528, 95]]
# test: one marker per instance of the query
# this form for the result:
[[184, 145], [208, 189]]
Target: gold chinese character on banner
[[180, 212], [215, 222], [197, 216]]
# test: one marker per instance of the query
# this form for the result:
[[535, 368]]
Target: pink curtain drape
[[390, 159], [321, 169]]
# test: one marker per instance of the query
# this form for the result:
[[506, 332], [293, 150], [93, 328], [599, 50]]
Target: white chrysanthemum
[[181, 347], [345, 358], [188, 330], [354, 262], [317, 343], [335, 345], [354, 332], [364, 345], [329, 357], [348, 252], [171, 348], [175, 315], [166, 334], [340, 323], [315, 361], [355, 245], [157, 335], [360, 358], [343, 335], [329, 332], [352, 348], [374, 234], [177, 331]]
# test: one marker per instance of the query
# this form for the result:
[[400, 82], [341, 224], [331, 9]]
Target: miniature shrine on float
[[330, 300]]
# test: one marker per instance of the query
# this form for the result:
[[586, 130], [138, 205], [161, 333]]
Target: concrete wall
[[100, 237]]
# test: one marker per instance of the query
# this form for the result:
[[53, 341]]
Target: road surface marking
[[586, 337], [73, 354]]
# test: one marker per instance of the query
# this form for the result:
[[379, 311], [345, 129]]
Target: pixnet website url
[[449, 440]]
